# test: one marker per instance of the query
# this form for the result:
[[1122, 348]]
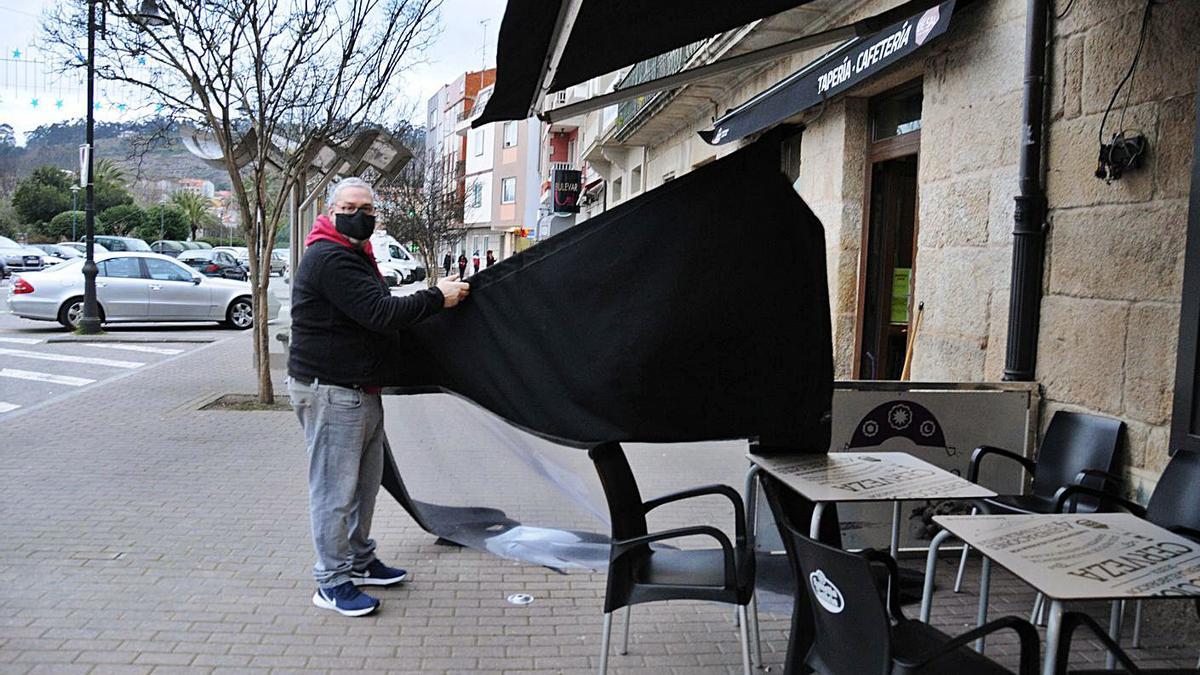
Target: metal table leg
[[1053, 635], [895, 545], [814, 527], [750, 496], [930, 572], [1116, 613], [985, 592]]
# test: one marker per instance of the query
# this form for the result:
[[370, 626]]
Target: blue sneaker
[[378, 574], [345, 599]]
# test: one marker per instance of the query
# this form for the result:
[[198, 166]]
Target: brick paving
[[140, 535]]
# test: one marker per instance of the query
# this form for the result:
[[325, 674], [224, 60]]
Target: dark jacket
[[344, 320]]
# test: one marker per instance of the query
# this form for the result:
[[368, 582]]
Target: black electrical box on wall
[[1122, 154]]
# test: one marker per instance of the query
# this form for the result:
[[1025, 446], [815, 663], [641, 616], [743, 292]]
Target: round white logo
[[926, 25], [870, 428], [826, 593], [927, 428]]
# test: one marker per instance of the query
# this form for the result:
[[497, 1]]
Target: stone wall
[[1114, 263], [968, 174]]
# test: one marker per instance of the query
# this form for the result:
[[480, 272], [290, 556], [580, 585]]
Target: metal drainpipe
[[1029, 217]]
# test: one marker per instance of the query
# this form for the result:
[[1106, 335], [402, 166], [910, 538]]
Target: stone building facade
[[1115, 251]]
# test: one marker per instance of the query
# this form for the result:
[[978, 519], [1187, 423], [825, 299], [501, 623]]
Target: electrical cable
[[1108, 170], [1066, 10], [1137, 55]]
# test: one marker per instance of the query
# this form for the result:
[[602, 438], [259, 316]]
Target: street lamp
[[147, 16], [162, 214]]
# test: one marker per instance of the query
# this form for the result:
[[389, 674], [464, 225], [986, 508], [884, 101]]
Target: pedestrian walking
[[344, 320], [491, 258], [462, 265], [475, 262], [446, 262]]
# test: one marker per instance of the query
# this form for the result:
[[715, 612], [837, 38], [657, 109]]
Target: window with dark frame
[[1185, 413]]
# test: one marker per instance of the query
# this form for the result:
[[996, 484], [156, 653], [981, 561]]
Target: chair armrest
[[1073, 620], [893, 590], [1186, 532], [1068, 492], [1105, 478], [985, 450], [739, 509], [1025, 631], [623, 546]]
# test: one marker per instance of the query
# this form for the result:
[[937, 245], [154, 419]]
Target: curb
[[130, 339]]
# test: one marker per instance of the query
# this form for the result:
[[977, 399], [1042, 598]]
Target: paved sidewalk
[[140, 535]]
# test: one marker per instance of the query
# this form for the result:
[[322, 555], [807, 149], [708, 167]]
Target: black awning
[[915, 25], [607, 35]]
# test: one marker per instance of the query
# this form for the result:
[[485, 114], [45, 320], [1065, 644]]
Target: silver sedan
[[134, 287]]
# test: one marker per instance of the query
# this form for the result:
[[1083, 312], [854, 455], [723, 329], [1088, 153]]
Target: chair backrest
[[1176, 498], [620, 491], [1074, 442], [852, 630]]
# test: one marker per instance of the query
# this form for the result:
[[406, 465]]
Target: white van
[[393, 257]]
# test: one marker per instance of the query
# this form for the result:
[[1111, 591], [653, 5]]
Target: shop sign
[[832, 74], [565, 187]]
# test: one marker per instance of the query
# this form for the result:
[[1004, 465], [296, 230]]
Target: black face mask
[[358, 225]]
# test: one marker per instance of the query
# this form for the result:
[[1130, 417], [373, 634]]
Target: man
[[344, 320]]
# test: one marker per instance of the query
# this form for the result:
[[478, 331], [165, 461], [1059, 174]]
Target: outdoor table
[[1095, 556], [859, 477]]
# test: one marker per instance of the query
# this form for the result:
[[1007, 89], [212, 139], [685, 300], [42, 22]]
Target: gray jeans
[[343, 431]]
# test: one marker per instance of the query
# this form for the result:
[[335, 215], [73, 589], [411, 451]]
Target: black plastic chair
[[854, 626], [1073, 620], [1175, 504], [1077, 447], [638, 573]]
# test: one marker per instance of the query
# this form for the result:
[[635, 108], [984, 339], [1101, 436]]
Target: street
[[41, 362]]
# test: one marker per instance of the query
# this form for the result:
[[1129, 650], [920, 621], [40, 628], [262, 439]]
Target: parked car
[[278, 262], [134, 287], [391, 255], [60, 251], [20, 258], [3, 269], [214, 263], [82, 247], [203, 244], [189, 245], [116, 244], [168, 247]]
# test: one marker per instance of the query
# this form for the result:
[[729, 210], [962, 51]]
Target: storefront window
[[896, 114]]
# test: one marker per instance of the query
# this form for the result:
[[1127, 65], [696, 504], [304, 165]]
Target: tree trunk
[[262, 356]]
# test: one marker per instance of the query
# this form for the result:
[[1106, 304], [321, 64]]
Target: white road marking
[[135, 348], [44, 377], [20, 340], [6, 407], [67, 358]]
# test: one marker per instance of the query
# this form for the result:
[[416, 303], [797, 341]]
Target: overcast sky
[[459, 48]]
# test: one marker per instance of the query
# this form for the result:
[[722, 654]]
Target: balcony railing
[[651, 69]]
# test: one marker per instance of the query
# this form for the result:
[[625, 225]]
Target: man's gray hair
[[349, 182]]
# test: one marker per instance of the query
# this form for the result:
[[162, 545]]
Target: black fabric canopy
[[697, 311], [607, 35], [911, 26]]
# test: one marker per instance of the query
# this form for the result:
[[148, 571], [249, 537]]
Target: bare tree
[[425, 205], [273, 80]]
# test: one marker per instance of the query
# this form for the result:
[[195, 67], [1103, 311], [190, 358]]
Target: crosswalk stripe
[[135, 348], [68, 358], [44, 377], [6, 407], [20, 340]]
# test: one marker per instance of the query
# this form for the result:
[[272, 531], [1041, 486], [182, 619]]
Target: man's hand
[[453, 290]]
